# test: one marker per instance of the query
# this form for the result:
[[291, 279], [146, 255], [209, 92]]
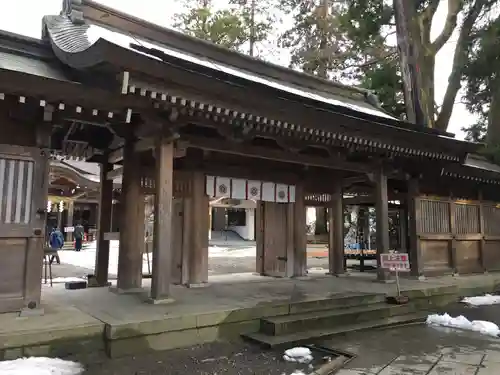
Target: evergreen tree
[[482, 76], [241, 24], [350, 40], [200, 19]]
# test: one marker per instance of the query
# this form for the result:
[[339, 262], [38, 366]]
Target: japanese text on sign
[[395, 261]]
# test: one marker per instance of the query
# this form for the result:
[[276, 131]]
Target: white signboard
[[395, 261], [69, 229]]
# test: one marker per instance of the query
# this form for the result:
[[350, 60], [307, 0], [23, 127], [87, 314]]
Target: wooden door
[[275, 238], [23, 200]]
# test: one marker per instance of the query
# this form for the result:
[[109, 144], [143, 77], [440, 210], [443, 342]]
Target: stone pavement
[[420, 350]]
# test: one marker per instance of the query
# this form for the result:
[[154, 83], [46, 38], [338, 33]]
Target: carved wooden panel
[[468, 256], [434, 216], [491, 253], [467, 218], [435, 255], [491, 220]]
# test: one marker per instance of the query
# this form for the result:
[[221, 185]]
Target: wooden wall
[[457, 236]]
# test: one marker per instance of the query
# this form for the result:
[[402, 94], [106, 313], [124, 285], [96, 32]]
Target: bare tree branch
[[454, 7]]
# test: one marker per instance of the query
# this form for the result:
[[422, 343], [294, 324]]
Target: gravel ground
[[210, 359]]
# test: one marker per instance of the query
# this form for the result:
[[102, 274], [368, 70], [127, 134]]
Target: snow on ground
[[40, 366], [487, 299], [298, 354], [461, 322], [86, 257]]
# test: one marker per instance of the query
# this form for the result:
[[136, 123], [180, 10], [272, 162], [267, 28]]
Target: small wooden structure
[[184, 120]]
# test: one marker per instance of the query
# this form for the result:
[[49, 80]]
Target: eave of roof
[[71, 43]]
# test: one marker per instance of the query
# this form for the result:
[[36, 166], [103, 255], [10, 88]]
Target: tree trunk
[[493, 133], [251, 51]]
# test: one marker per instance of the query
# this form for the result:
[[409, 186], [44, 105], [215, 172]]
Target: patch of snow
[[68, 279], [461, 322], [487, 299], [298, 354], [40, 366], [298, 372]]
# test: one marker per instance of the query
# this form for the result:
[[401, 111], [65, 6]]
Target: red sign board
[[395, 261]]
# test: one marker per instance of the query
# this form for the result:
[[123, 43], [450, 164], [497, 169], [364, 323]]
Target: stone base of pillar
[[160, 301], [198, 285], [116, 290], [343, 274], [386, 281], [302, 277], [31, 312]]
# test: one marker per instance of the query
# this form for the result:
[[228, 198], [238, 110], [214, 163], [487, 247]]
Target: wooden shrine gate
[[456, 236], [23, 189]]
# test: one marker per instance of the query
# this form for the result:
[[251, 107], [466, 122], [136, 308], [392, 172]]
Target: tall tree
[[346, 41], [258, 18], [241, 24], [360, 28], [418, 53], [199, 18], [482, 75]]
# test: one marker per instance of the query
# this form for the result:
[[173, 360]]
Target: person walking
[[78, 235], [56, 242]]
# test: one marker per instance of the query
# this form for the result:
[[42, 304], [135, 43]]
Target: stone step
[[285, 324], [336, 302], [269, 341]]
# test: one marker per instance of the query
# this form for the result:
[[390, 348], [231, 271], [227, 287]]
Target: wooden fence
[[457, 236]]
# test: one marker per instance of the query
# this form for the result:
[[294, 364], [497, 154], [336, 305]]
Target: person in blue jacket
[[56, 242]]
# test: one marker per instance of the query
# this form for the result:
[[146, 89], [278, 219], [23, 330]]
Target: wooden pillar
[[382, 212], [69, 220], [197, 219], [162, 242], [414, 217], [132, 220], [403, 229], [482, 242], [453, 228], [299, 233], [259, 238], [336, 231], [104, 225]]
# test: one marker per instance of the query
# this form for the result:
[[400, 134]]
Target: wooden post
[[69, 220], [300, 233], [382, 212], [130, 252], [453, 244], [259, 238], [414, 217], [482, 241], [198, 217], [336, 231], [162, 241], [104, 225]]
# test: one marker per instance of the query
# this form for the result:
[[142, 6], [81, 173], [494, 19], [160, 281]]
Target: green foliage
[[347, 42], [201, 20], [482, 78], [233, 27]]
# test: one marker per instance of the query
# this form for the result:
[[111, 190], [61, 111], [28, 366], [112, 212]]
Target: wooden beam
[[117, 172], [277, 155], [115, 156]]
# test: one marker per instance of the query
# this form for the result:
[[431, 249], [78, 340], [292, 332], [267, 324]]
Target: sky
[[24, 17]]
